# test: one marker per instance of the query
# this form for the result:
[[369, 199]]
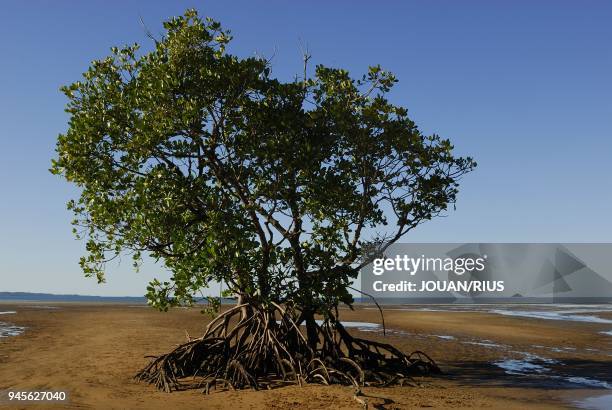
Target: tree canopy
[[209, 164]]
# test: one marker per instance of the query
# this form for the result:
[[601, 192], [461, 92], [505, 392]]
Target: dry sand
[[91, 351]]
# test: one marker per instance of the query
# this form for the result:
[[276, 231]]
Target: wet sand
[[92, 351]]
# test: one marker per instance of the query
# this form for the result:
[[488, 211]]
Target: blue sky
[[525, 87]]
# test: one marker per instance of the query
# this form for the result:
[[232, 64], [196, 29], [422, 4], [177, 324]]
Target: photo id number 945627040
[[33, 396]]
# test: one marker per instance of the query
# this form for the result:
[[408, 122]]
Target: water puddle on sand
[[444, 337], [569, 312], [363, 326], [596, 403], [531, 366], [520, 367], [375, 327], [487, 343], [589, 382], [563, 349], [552, 315], [534, 365], [528, 364], [38, 307], [8, 329]]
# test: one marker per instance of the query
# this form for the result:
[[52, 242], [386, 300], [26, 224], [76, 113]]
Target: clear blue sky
[[523, 86]]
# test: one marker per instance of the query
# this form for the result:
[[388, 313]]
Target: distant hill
[[40, 297]]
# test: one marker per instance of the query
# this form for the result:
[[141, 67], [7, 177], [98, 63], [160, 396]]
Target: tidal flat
[[511, 357]]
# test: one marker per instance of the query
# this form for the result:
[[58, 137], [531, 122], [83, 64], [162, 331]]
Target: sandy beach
[[500, 359]]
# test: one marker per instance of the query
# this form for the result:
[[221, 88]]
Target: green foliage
[[208, 164]]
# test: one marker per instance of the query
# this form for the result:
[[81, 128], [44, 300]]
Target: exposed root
[[358, 398], [253, 347]]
